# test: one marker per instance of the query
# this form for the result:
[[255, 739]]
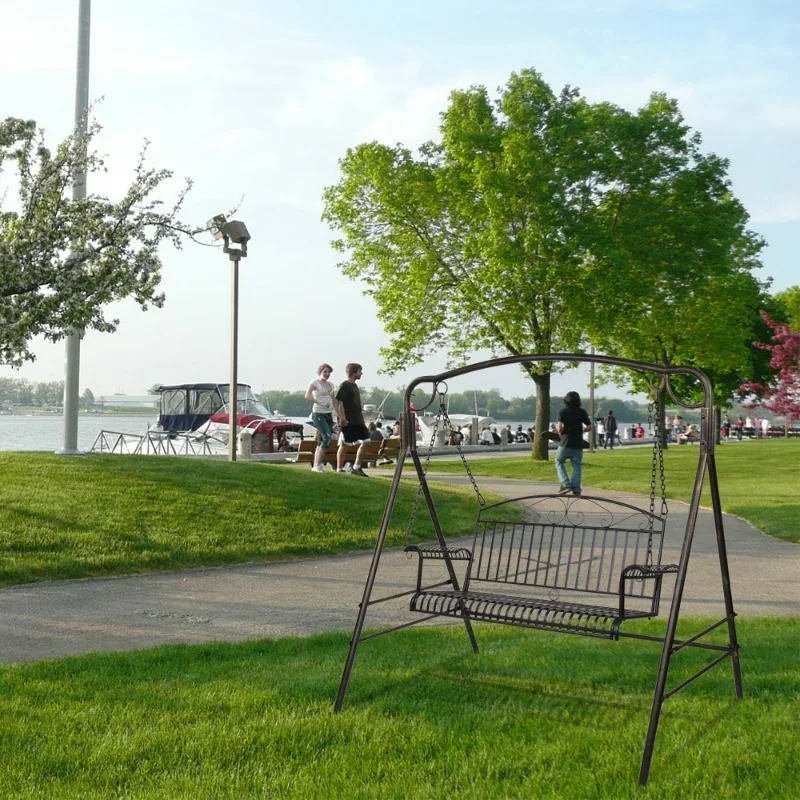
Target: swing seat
[[587, 548]]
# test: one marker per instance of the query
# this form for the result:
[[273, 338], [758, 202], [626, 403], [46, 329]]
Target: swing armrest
[[642, 572], [437, 553]]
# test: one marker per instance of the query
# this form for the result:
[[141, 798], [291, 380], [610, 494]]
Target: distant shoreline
[[38, 412]]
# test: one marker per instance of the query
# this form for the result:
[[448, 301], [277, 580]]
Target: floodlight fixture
[[237, 232], [216, 225]]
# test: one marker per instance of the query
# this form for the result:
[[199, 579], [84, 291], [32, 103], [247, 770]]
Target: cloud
[[778, 207]]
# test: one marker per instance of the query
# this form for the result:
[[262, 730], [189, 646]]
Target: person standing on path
[[611, 429], [320, 392], [601, 432], [351, 419], [572, 420]]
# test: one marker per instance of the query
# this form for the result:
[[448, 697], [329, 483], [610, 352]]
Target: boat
[[202, 410]]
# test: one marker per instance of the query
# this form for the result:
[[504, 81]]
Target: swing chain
[[655, 421], [424, 472], [443, 417], [449, 424]]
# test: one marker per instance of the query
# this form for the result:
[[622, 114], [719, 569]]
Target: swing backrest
[[573, 544]]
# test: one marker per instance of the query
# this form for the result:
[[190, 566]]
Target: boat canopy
[[187, 406]]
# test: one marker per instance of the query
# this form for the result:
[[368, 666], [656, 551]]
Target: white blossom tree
[[62, 260]]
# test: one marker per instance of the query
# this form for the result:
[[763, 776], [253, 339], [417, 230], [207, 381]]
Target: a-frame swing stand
[[590, 620]]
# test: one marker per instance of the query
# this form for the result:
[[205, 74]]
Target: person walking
[[601, 432], [320, 393], [351, 420], [572, 420], [611, 429]]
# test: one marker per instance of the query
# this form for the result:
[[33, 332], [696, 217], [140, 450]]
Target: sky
[[258, 100]]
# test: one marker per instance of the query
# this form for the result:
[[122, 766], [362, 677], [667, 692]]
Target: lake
[[46, 432]]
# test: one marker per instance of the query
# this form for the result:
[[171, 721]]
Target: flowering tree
[[781, 395], [62, 260]]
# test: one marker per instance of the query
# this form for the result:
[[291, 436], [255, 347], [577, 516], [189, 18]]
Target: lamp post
[[72, 364], [236, 232]]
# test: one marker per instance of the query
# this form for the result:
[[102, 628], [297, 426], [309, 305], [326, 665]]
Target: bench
[[604, 556], [305, 452], [307, 448]]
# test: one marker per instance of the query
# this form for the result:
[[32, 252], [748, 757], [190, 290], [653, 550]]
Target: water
[[46, 432]]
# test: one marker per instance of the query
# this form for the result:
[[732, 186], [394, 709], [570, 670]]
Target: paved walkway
[[309, 596]]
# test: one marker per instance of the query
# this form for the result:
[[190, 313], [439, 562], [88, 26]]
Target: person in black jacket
[[572, 420], [611, 430]]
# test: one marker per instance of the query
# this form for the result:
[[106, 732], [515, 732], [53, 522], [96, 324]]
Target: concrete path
[[309, 596]]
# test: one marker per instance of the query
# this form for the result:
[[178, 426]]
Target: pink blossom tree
[[781, 395]]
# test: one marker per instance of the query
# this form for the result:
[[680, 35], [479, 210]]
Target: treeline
[[22, 392], [489, 404]]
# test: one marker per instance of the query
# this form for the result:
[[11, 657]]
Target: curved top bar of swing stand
[[706, 440]]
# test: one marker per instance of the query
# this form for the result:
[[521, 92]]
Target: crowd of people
[[751, 427]]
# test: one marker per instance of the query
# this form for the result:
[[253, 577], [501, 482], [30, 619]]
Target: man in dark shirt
[[571, 422], [611, 430], [351, 418]]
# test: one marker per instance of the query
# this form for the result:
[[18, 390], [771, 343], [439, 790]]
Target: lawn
[[99, 515], [535, 715], [759, 480]]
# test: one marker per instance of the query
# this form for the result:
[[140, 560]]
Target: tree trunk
[[717, 425], [540, 451]]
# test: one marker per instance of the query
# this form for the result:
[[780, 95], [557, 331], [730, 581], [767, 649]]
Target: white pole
[[233, 390], [72, 368]]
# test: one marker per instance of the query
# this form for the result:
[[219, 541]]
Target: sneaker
[[359, 471], [565, 490], [318, 468], [577, 494], [342, 471]]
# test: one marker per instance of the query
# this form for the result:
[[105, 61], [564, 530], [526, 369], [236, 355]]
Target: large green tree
[[535, 219], [62, 260]]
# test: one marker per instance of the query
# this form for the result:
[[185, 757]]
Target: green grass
[[535, 715], [79, 517], [759, 480]]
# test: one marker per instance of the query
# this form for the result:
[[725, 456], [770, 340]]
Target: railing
[[156, 443]]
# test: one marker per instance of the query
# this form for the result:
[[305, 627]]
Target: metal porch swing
[[583, 565]]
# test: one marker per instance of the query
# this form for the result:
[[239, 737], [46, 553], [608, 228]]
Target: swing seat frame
[[588, 548], [592, 552]]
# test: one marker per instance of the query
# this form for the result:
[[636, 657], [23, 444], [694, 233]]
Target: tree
[[534, 220], [789, 299], [48, 393], [62, 260], [87, 398], [677, 248], [781, 395]]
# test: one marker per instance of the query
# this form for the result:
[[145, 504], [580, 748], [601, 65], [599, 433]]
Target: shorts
[[355, 433], [324, 425]]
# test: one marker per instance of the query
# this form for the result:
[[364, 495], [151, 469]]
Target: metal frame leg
[[373, 570], [733, 642], [672, 624]]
